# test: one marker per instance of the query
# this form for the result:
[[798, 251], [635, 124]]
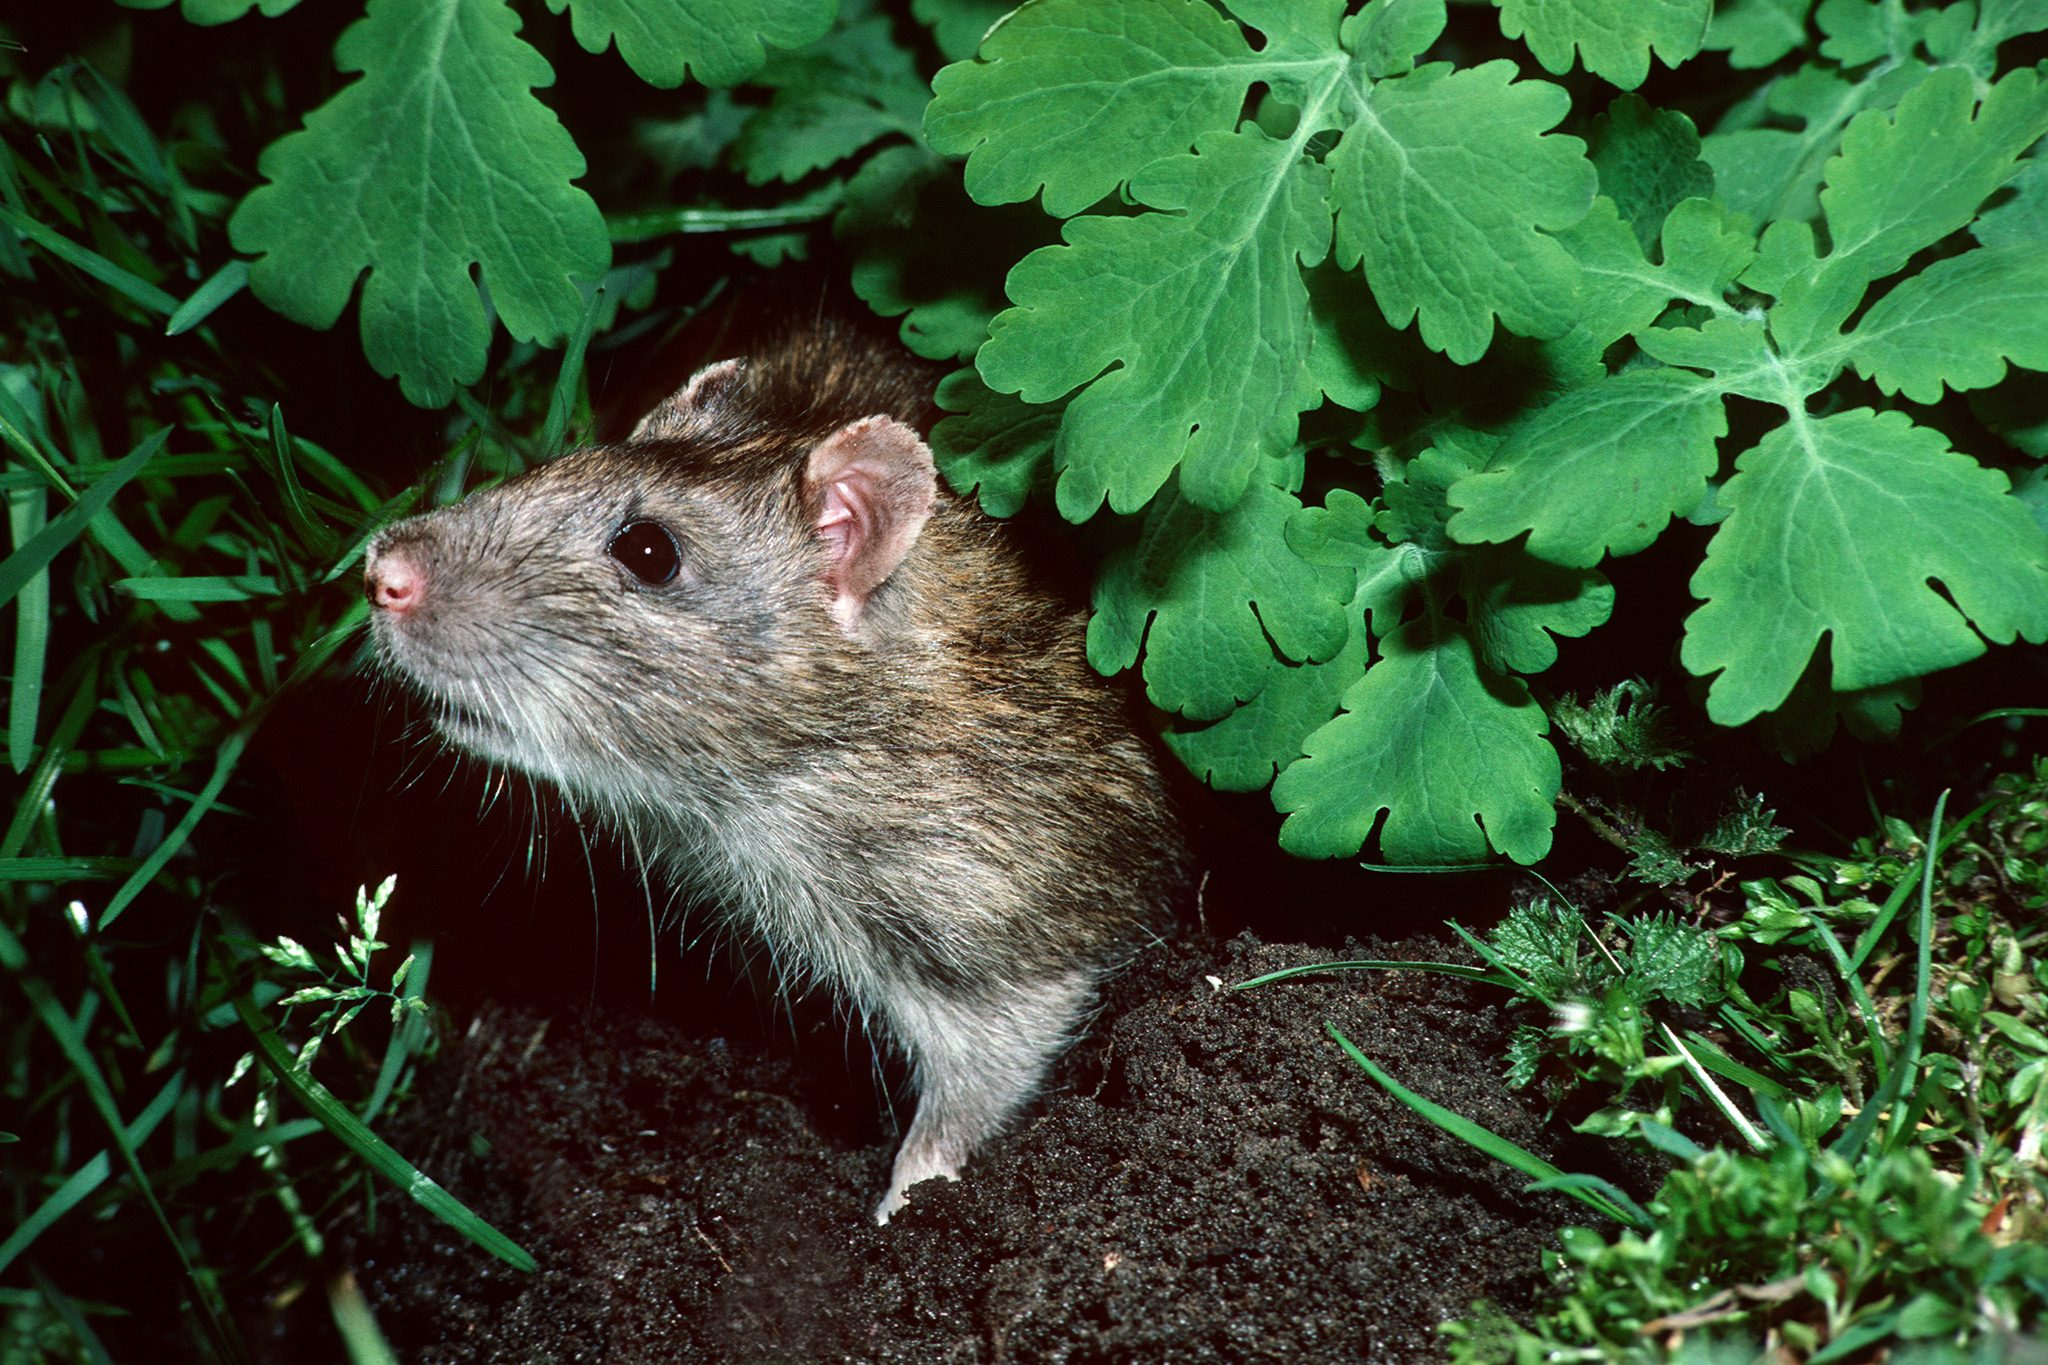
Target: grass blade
[[229, 753], [1710, 1056], [568, 383], [409, 1036], [19, 430], [91, 869], [199, 588], [1906, 1059], [628, 228], [360, 1335], [1867, 941], [1487, 1141], [1756, 1140], [1593, 1184], [136, 289], [25, 516], [313, 532], [46, 544], [353, 1134], [70, 724], [1377, 964], [90, 1176], [222, 285], [1859, 996], [1433, 869]]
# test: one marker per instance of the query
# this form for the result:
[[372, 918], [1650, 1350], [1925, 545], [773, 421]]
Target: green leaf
[[1454, 758], [1739, 354], [1203, 592], [1198, 315], [1388, 35], [1600, 471], [958, 25], [720, 42], [1858, 32], [1841, 526], [1956, 323], [1676, 962], [1906, 179], [998, 447], [1757, 33], [1775, 173], [1649, 162], [1243, 751], [438, 160], [903, 218], [210, 12], [1622, 293], [1076, 96], [1351, 348], [1518, 606], [1614, 37], [832, 99], [1445, 185], [2023, 215]]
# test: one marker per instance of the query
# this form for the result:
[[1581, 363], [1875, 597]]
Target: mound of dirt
[[1210, 1179]]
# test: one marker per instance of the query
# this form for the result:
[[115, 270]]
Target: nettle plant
[[1381, 351]]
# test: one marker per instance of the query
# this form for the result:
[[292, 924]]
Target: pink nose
[[393, 583]]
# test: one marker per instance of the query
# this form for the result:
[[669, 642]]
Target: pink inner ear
[[839, 520], [872, 483]]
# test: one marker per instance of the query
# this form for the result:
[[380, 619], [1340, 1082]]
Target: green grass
[[1867, 1176], [174, 568]]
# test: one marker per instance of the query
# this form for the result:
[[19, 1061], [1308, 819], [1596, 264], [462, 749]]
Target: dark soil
[[1211, 1179]]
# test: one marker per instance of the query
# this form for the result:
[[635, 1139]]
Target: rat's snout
[[392, 580]]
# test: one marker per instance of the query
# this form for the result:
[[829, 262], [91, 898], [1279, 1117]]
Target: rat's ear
[[707, 389], [869, 487]]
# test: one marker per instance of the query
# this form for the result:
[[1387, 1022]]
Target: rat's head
[[693, 601]]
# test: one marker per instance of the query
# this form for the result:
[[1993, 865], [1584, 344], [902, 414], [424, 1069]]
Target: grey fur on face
[[818, 691]]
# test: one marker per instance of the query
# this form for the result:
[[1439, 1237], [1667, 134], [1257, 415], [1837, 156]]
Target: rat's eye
[[648, 551]]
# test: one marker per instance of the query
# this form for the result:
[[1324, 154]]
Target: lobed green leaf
[[1956, 324], [1445, 185], [1210, 596], [1453, 757], [1600, 471], [1840, 527], [1075, 97], [1907, 178], [720, 42], [1191, 324], [439, 160], [1614, 38]]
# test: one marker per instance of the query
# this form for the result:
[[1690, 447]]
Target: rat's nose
[[393, 583]]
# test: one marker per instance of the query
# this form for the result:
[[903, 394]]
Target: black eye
[[648, 551]]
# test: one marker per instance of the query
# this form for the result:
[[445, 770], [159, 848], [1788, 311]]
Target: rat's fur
[[924, 798]]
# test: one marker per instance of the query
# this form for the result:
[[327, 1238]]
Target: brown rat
[[801, 678]]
